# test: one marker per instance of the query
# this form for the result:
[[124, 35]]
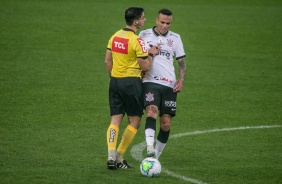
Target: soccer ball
[[150, 167]]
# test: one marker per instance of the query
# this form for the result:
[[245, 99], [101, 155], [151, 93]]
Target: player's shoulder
[[174, 35], [146, 32]]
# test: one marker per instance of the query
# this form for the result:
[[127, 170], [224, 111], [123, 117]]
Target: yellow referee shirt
[[126, 47]]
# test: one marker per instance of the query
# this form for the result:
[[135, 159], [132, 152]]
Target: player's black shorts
[[161, 96], [125, 96]]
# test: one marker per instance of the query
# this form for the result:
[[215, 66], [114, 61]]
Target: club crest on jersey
[[170, 42], [149, 97]]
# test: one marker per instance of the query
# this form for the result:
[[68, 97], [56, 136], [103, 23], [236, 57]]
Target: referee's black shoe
[[124, 165], [112, 164]]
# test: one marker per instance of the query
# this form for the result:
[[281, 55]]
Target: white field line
[[223, 129], [185, 178], [136, 150]]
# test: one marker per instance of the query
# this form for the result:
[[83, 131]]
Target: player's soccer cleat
[[111, 164], [151, 151], [124, 165]]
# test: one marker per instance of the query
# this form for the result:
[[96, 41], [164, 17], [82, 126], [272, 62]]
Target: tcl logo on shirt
[[142, 44], [120, 45]]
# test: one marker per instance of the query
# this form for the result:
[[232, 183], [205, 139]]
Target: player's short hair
[[133, 13], [165, 11]]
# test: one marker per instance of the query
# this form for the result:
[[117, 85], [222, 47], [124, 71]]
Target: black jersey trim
[[181, 57], [127, 29], [143, 57], [157, 34]]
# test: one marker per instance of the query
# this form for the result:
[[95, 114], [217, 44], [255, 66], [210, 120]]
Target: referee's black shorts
[[125, 96]]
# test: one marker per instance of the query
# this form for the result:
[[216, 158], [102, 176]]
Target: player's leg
[[167, 111], [152, 98], [150, 128], [165, 123]]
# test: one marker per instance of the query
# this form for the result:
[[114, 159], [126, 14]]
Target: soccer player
[[159, 83], [126, 57]]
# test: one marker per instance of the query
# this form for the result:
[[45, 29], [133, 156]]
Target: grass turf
[[54, 108]]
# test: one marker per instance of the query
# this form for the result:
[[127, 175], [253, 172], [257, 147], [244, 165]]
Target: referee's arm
[[109, 61]]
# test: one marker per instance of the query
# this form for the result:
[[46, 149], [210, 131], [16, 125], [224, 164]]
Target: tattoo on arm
[[182, 68]]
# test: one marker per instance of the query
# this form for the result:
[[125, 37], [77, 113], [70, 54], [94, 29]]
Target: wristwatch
[[150, 54]]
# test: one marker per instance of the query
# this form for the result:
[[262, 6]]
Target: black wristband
[[150, 54]]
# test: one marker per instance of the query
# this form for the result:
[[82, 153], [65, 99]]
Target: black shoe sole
[[112, 167]]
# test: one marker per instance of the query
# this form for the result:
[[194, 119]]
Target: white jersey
[[162, 70]]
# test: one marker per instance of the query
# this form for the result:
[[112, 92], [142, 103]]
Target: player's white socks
[[159, 148], [150, 136]]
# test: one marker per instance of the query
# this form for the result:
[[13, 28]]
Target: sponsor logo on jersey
[[150, 97], [164, 53], [120, 45], [142, 44], [170, 104], [162, 79]]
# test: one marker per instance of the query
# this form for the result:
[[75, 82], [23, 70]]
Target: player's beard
[[161, 31]]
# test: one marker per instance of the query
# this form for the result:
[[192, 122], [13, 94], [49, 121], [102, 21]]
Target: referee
[[126, 57]]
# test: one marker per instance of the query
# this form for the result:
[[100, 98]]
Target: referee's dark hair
[[165, 11], [133, 13]]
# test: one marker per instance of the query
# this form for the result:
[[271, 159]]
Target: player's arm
[[109, 61], [182, 71]]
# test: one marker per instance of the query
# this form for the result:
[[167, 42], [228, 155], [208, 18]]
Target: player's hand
[[154, 49], [178, 85], [143, 73]]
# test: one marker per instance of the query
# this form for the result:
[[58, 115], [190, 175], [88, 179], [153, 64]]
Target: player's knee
[[151, 114], [165, 122], [165, 127], [152, 111]]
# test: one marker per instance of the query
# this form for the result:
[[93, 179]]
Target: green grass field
[[54, 107]]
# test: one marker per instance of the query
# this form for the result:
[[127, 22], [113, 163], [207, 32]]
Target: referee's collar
[[156, 33], [127, 29]]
